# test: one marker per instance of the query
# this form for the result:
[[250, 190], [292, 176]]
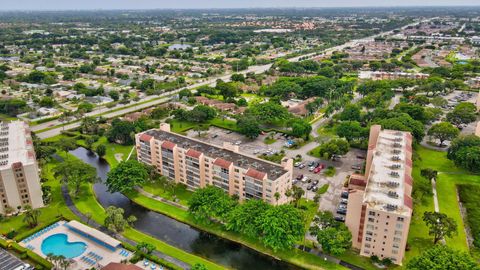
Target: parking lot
[[10, 262], [344, 166]]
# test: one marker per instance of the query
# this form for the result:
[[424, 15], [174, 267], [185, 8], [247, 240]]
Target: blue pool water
[[58, 244]]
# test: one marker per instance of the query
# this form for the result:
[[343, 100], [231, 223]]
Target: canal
[[178, 234]]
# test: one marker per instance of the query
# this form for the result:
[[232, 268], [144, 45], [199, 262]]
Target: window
[[400, 219], [371, 213], [396, 239], [371, 219], [394, 251], [368, 239], [398, 233], [399, 226]]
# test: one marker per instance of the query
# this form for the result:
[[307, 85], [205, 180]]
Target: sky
[[188, 4]]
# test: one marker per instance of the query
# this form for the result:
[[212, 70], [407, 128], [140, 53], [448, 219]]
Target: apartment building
[[379, 205], [382, 75], [198, 164], [19, 180]]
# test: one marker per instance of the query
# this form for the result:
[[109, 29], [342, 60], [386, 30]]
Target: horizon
[[93, 5]]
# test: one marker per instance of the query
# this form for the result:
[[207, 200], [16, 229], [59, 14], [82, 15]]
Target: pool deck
[[107, 255]]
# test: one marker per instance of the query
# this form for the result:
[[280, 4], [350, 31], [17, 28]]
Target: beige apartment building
[[19, 180], [379, 204], [198, 164]]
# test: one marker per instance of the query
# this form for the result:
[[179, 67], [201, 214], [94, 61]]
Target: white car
[[305, 179]]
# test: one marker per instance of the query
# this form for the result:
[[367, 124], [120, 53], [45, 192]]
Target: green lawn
[[180, 192], [449, 177], [268, 140]]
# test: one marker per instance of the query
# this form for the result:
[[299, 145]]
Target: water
[[192, 240], [58, 244]]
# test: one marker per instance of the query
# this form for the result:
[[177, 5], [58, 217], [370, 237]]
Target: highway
[[153, 100]]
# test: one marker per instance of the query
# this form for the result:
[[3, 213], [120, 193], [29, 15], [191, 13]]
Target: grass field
[[449, 176]]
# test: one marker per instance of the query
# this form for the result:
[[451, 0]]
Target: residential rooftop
[[273, 170], [385, 189], [16, 144]]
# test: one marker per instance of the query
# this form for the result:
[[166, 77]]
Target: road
[[158, 99]]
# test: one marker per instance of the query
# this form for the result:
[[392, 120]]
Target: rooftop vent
[[394, 174], [392, 184], [395, 166], [395, 158], [392, 194], [396, 151], [397, 145], [391, 207]]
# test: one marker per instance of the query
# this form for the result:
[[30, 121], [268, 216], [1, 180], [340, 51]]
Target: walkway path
[[160, 199], [91, 223]]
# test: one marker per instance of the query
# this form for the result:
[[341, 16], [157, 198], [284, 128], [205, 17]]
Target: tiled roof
[[145, 137], [120, 266], [168, 145], [222, 163], [255, 174], [193, 153]]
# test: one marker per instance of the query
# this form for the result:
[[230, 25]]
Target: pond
[[178, 234]]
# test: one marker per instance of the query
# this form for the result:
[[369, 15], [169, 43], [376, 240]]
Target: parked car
[[317, 170], [315, 188], [344, 201], [340, 218], [214, 136], [356, 167], [344, 194], [299, 177], [304, 179], [342, 206], [309, 187], [297, 164], [342, 211], [311, 168], [301, 166], [315, 182], [310, 163]]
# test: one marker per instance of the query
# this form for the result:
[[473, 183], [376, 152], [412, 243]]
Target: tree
[[88, 216], [442, 257], [249, 127], [236, 77], [126, 175], [198, 266], [439, 101], [200, 114], [439, 225], [465, 152], [269, 112], [89, 125], [282, 226], [66, 144], [121, 132], [333, 236], [297, 193], [246, 218], [333, 147], [443, 131], [351, 130], [101, 150], [301, 128], [47, 102], [75, 173], [114, 220], [114, 95], [31, 216], [429, 173], [463, 113], [351, 112], [145, 248], [210, 202]]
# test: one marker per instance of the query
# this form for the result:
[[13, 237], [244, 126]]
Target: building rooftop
[[16, 144], [240, 160], [385, 187]]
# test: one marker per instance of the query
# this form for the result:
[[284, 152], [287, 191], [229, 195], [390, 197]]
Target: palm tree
[[31, 216]]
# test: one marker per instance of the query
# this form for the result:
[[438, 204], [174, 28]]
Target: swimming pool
[[58, 244]]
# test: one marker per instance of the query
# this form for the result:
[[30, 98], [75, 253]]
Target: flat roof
[[16, 144], [385, 189], [100, 236], [246, 162]]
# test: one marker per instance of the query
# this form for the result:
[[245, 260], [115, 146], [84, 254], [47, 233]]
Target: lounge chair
[[145, 262], [153, 266]]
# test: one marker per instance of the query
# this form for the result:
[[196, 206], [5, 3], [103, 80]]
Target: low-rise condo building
[[198, 164], [19, 180], [379, 203]]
